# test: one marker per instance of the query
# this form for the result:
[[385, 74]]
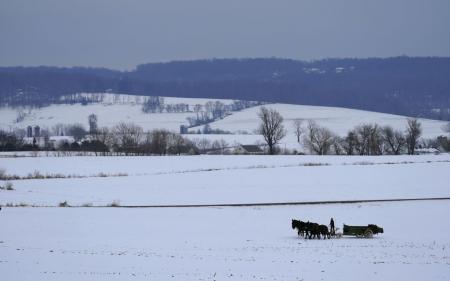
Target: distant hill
[[237, 126], [402, 85]]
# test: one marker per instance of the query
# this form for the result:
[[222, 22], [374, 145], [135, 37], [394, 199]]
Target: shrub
[[2, 173], [63, 204], [38, 175], [9, 186], [35, 175], [114, 204]]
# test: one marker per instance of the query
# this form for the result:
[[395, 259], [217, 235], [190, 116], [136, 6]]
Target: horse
[[313, 230], [323, 229], [300, 226]]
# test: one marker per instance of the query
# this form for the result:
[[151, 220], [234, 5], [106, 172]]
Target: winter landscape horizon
[[238, 140]]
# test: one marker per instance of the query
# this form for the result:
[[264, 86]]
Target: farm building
[[249, 149]]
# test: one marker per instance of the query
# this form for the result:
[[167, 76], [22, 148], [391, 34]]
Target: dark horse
[[323, 229], [312, 230], [300, 226], [315, 230]]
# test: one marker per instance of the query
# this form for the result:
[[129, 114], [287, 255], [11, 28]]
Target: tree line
[[401, 85], [121, 139], [214, 110], [131, 139], [364, 139]]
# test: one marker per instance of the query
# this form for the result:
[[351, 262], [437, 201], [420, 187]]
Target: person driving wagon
[[332, 229]]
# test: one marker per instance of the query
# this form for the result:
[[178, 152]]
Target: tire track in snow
[[281, 203], [219, 205]]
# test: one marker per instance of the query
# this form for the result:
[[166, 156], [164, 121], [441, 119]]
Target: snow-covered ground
[[338, 120], [224, 179], [46, 242], [223, 243], [127, 108], [109, 114]]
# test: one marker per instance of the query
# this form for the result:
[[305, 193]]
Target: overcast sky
[[123, 33]]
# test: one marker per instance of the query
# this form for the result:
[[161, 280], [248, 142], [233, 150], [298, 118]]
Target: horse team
[[311, 230]]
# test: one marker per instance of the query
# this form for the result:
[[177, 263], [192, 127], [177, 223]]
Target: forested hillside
[[402, 85]]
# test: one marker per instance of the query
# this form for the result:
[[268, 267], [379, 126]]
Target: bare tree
[[218, 110], [58, 129], [298, 130], [443, 142], [128, 137], [368, 139], [77, 131], [203, 144], [215, 147], [219, 146], [413, 133], [319, 139], [349, 143], [206, 129], [160, 141], [191, 121], [375, 141], [395, 140], [446, 128], [223, 146], [362, 133], [9, 141], [177, 142], [209, 109], [153, 104], [197, 109], [337, 144], [170, 108], [271, 127], [105, 137], [20, 116]]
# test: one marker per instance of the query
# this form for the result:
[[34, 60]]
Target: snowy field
[[223, 179], [127, 109], [243, 124], [338, 120], [223, 243]]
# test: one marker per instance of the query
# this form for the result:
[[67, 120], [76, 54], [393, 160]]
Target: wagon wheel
[[368, 233]]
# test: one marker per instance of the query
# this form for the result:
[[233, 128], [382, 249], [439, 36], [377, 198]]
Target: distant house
[[430, 150], [184, 150], [249, 149]]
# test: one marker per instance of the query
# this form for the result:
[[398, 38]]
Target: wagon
[[362, 231]]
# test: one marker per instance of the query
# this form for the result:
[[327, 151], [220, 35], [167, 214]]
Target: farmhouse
[[249, 149], [420, 151]]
